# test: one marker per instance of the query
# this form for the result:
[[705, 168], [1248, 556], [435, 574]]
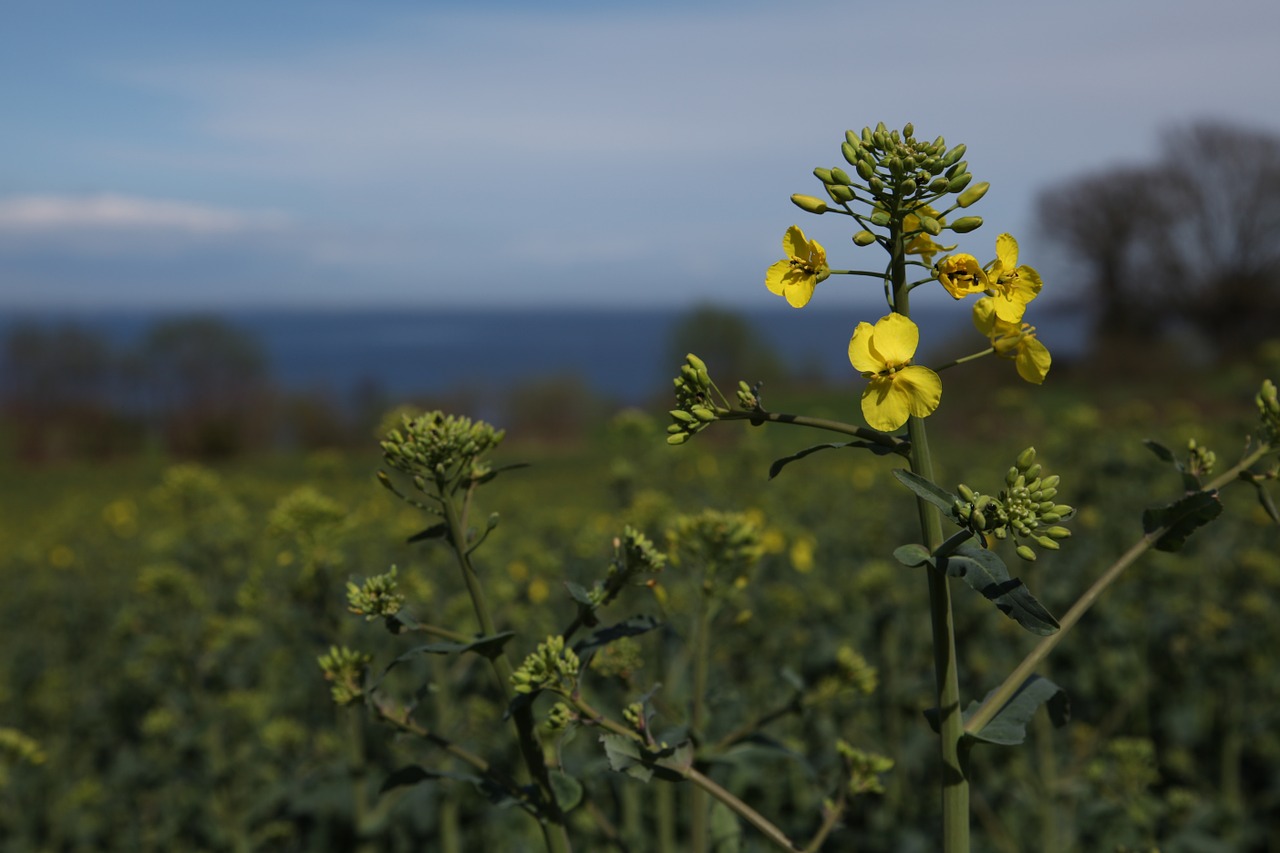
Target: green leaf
[[986, 572], [626, 628], [1264, 498], [1165, 454], [435, 531], [489, 475], [779, 464], [1181, 517], [726, 829], [413, 775], [913, 555], [1009, 726], [489, 647], [627, 755], [568, 790], [579, 593], [931, 492]]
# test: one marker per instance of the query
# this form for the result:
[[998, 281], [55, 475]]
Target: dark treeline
[[191, 387]]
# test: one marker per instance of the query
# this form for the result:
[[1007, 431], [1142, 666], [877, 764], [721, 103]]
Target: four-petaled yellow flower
[[1013, 286], [896, 387], [798, 274], [961, 275], [1013, 340]]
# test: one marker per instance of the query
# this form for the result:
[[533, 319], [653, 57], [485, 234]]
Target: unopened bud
[[841, 176], [822, 174], [965, 224], [864, 169], [973, 193], [1025, 552], [850, 152], [864, 238], [959, 182], [938, 184], [909, 186], [1047, 543], [880, 218], [931, 226], [839, 192], [909, 130], [1058, 533], [954, 154], [1026, 457], [809, 203]]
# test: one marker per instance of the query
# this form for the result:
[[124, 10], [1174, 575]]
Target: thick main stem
[[955, 781]]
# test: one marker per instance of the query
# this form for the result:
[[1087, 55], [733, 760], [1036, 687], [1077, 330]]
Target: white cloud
[[60, 214]]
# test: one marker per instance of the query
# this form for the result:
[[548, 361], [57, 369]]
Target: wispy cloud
[[62, 214]]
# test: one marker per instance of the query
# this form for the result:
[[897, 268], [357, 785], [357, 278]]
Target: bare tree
[[1192, 239]]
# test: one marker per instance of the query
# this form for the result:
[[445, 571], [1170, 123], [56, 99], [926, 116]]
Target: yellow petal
[[883, 409], [1008, 309], [984, 316], [895, 339], [1007, 251], [1033, 361], [794, 243], [800, 289], [860, 354], [922, 387], [773, 277]]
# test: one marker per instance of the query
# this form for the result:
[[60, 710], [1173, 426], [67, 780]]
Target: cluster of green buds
[[695, 406], [560, 717], [1024, 509], [378, 597], [1200, 459], [345, 669], [552, 666], [723, 544], [18, 748], [894, 171], [438, 449], [1269, 412], [863, 769]]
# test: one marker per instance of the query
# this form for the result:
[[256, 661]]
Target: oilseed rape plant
[[611, 718]]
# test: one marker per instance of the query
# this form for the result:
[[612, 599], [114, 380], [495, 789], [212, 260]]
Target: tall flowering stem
[[955, 781]]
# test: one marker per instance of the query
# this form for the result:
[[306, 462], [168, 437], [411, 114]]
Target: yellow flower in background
[[798, 274], [1013, 286], [896, 388], [1013, 340], [961, 275]]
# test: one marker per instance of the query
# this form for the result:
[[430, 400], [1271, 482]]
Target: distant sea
[[623, 354]]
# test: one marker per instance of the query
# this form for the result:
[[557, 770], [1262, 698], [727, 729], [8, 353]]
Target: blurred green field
[[161, 622]]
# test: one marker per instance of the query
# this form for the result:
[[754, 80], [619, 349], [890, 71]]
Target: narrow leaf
[[1009, 726], [726, 829], [1165, 454], [986, 572], [779, 464], [1182, 517], [1264, 498], [626, 628], [931, 492], [413, 774], [435, 531]]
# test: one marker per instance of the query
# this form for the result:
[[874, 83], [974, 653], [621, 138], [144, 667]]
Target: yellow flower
[[922, 244], [897, 388], [961, 275], [1013, 286], [1013, 340], [798, 274]]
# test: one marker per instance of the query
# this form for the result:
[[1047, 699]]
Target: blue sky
[[190, 155]]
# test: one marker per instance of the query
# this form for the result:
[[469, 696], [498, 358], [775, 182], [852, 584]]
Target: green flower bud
[[877, 186], [867, 138], [965, 224], [966, 492], [702, 413], [957, 168], [864, 238], [850, 152], [1051, 482], [959, 182], [1058, 533], [954, 154], [938, 184], [977, 520], [909, 186], [931, 226], [852, 138], [880, 218], [839, 192], [1047, 543], [681, 438], [865, 170], [841, 176], [1033, 472], [1050, 518], [809, 204], [1025, 552], [909, 130], [695, 362], [973, 193], [682, 416], [1064, 510], [1026, 457], [822, 174], [675, 428]]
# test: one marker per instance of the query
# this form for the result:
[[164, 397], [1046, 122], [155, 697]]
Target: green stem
[[955, 782], [760, 416], [991, 706], [964, 359], [698, 805], [554, 831]]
